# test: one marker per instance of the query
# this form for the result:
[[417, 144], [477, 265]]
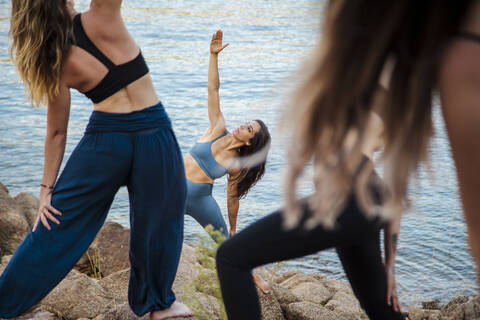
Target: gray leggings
[[202, 207]]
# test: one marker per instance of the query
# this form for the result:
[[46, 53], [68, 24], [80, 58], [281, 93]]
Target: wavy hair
[[42, 34], [340, 86], [253, 159]]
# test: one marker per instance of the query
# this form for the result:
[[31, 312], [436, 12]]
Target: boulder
[[108, 253], [120, 312], [346, 306], [188, 269], [472, 308], [28, 205], [13, 224], [116, 285], [38, 314], [433, 304], [271, 308], [453, 308], [3, 263], [335, 286], [283, 295], [287, 275], [306, 310], [313, 292], [415, 313], [3, 188], [78, 296], [296, 279], [460, 308]]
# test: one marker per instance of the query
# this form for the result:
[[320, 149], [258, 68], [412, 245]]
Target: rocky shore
[[97, 287]]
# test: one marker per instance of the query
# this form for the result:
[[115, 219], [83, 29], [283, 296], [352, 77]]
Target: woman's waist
[[194, 172], [196, 189], [149, 117], [129, 99]]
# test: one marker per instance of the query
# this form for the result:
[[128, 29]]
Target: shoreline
[[97, 287]]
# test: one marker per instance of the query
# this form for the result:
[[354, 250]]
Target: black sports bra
[[118, 76]]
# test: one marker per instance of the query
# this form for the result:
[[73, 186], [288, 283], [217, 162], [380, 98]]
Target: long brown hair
[[337, 94], [253, 169], [42, 33]]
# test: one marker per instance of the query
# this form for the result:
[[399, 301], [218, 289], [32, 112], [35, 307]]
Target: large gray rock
[[271, 308], [460, 308], [453, 307], [120, 312], [28, 205], [283, 295], [472, 308], [335, 286], [312, 291], [3, 262], [345, 305], [308, 311], [13, 224], [78, 296], [296, 279], [38, 314], [415, 313], [108, 253], [116, 285]]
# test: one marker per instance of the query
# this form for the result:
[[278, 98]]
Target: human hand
[[392, 298], [45, 211], [216, 42], [232, 231]]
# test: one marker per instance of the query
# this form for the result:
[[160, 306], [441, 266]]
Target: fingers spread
[[45, 222], [52, 209], [51, 217], [35, 225]]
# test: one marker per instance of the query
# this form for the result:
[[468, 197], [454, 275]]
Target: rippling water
[[267, 39]]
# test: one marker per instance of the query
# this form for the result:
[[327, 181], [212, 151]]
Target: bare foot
[[176, 310], [261, 284]]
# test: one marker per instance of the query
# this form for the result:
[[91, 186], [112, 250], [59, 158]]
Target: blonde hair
[[42, 33], [340, 90]]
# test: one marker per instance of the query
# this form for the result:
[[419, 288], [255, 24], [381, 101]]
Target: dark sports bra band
[[118, 76]]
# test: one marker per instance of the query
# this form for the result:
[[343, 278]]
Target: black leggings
[[355, 237]]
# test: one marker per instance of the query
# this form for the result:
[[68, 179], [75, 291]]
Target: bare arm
[[113, 5], [233, 204], [391, 233], [460, 95], [215, 116], [55, 139]]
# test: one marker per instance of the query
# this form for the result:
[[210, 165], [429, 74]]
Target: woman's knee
[[226, 254]]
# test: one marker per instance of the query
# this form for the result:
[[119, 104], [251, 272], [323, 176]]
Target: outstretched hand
[[216, 43]]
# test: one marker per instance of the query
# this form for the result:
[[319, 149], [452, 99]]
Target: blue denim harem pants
[[136, 149]]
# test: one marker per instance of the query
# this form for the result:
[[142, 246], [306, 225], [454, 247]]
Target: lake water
[[268, 40]]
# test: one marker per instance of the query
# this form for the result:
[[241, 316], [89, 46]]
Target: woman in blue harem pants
[[128, 142]]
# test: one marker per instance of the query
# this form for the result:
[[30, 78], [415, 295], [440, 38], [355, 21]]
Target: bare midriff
[[193, 172]]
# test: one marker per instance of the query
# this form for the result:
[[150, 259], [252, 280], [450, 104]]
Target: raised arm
[[460, 96], [55, 139], [233, 203], [215, 116]]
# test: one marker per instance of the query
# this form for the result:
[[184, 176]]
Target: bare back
[[82, 71]]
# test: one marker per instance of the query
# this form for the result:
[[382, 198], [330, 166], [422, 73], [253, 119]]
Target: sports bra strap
[[221, 136], [84, 42]]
